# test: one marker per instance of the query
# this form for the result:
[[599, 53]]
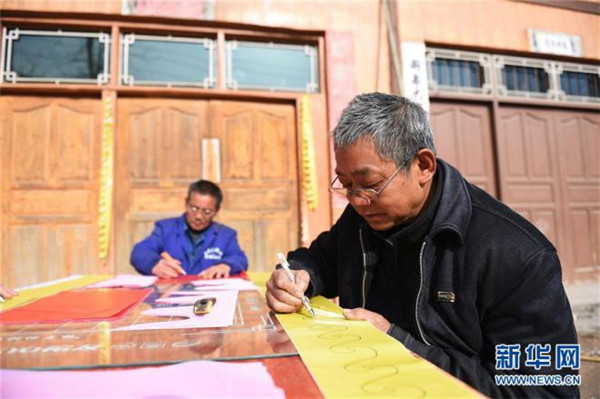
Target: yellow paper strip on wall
[[106, 181], [27, 295], [354, 359], [309, 164]]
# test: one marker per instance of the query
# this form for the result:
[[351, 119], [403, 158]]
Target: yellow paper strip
[[106, 181], [354, 359], [31, 294], [309, 163]]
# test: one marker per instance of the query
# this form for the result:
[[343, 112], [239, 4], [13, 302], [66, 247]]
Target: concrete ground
[[585, 303]]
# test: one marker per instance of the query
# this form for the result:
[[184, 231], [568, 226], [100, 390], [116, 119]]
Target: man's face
[[399, 203], [200, 209]]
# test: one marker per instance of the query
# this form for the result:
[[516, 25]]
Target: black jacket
[[487, 277]]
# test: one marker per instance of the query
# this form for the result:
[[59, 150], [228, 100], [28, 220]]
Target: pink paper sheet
[[195, 379]]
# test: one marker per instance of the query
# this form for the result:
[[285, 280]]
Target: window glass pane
[[272, 66], [457, 73], [521, 79], [572, 84], [168, 61], [56, 56], [453, 73], [464, 74], [508, 77], [580, 84], [525, 79]]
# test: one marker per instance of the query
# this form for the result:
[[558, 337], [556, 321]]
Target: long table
[[255, 335], [346, 358]]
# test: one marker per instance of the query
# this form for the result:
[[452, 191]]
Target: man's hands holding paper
[[284, 296]]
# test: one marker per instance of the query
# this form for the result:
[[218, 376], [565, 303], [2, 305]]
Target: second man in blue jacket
[[194, 242]]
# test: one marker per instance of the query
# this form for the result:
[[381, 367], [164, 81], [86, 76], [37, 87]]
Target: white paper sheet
[[126, 280], [221, 315]]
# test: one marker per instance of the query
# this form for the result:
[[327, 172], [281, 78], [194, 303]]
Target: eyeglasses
[[194, 209], [368, 195]]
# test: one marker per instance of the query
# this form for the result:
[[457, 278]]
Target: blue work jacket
[[219, 245]]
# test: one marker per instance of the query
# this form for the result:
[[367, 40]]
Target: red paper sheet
[[82, 305]]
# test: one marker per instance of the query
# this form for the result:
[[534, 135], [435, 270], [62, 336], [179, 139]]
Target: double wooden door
[[547, 168], [550, 173], [249, 149], [50, 149]]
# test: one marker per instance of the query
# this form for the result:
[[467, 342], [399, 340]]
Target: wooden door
[[259, 177], [249, 149], [578, 142], [463, 137], [50, 157], [158, 155], [529, 169]]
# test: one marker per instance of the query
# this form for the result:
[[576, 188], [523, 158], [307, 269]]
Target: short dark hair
[[206, 187]]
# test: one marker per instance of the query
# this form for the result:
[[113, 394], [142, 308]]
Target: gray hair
[[399, 127]]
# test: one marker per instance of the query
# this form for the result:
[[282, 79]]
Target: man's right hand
[[283, 296], [167, 268]]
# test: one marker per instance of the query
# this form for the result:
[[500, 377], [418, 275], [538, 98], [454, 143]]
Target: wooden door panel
[[578, 138], [277, 235], [181, 143], [26, 250], [237, 145], [50, 163], [247, 234], [74, 150], [30, 130], [276, 142], [143, 128], [463, 137], [259, 178], [159, 153], [529, 169]]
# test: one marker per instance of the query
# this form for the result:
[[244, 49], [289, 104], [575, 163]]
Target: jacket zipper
[[364, 276], [419, 294]]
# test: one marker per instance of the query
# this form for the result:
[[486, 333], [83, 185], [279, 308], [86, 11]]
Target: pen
[[166, 256], [286, 266]]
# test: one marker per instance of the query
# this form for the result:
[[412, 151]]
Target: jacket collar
[[183, 227], [454, 210]]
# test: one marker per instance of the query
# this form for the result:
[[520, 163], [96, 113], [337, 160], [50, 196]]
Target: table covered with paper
[[285, 355]]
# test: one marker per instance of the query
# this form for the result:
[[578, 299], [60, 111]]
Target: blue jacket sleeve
[[234, 256], [146, 253]]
